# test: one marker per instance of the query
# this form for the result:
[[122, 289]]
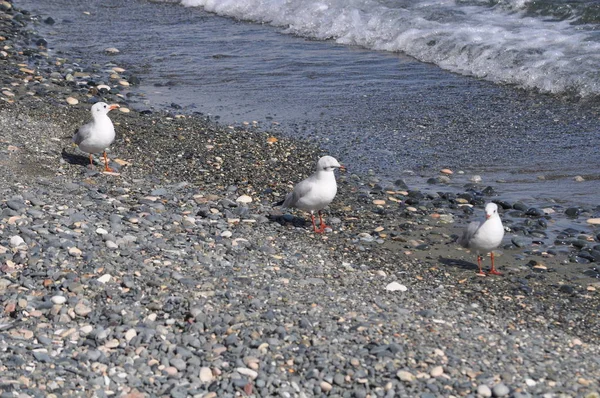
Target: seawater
[[520, 101]]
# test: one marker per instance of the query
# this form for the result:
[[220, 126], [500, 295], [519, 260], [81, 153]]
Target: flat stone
[[206, 375], [395, 286], [58, 299], [484, 391], [105, 278], [500, 390], [406, 376], [244, 199]]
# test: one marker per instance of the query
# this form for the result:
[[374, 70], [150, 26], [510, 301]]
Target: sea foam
[[503, 43]]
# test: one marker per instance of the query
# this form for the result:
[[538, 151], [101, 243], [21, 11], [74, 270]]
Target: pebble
[[206, 375], [58, 299], [74, 252], [484, 390], [72, 101], [16, 241], [105, 278], [500, 390], [111, 50], [405, 376], [446, 171], [325, 386], [244, 199], [437, 371], [395, 286], [593, 221]]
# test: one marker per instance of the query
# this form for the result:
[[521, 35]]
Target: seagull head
[[491, 210], [101, 108], [327, 163]]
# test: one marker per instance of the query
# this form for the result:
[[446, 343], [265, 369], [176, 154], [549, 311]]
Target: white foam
[[498, 44]]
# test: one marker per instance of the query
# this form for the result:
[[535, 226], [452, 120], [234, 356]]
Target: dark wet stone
[[534, 212], [400, 184], [504, 204], [489, 191], [520, 206], [572, 211], [566, 289], [518, 241], [49, 21]]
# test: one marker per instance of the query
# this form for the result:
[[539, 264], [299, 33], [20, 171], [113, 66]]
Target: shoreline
[[253, 301]]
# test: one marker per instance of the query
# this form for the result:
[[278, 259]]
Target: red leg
[[312, 216], [322, 223], [493, 270], [481, 273], [106, 168]]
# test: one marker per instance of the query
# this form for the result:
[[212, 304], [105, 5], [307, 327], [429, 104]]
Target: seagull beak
[[488, 216], [343, 168], [113, 106]]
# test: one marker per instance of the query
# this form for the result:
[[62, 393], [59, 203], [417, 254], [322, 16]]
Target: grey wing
[[83, 133], [468, 234], [300, 190]]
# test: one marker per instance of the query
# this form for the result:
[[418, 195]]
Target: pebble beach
[[177, 277]]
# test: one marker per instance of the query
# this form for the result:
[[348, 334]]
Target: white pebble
[[579, 178], [104, 278], [101, 231], [484, 390], [395, 286], [75, 252], [437, 371], [248, 372], [226, 234], [87, 329], [72, 101], [112, 50], [16, 241], [593, 221], [476, 179], [130, 334], [58, 299], [111, 245], [206, 375], [244, 199]]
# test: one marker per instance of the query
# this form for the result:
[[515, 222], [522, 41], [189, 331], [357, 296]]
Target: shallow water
[[373, 110]]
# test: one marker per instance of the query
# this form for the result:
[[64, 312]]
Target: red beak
[[487, 216], [113, 106], [343, 168]]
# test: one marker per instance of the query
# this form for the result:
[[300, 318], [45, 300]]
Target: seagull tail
[[280, 203]]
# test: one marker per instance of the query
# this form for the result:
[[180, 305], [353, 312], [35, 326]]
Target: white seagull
[[315, 192], [97, 135], [484, 236]]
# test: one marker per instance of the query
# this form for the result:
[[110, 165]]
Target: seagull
[[484, 236], [315, 192], [97, 135]]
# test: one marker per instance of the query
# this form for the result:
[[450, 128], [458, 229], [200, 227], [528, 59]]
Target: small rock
[[484, 391], [104, 278], [325, 387], [130, 334], [446, 171], [244, 199], [72, 101], [395, 286], [578, 178], [16, 241], [58, 299], [500, 390], [594, 221], [437, 371], [403, 375], [111, 50], [206, 375], [74, 252]]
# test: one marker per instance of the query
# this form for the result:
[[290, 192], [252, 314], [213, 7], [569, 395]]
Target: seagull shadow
[[284, 219], [75, 159], [451, 262]]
